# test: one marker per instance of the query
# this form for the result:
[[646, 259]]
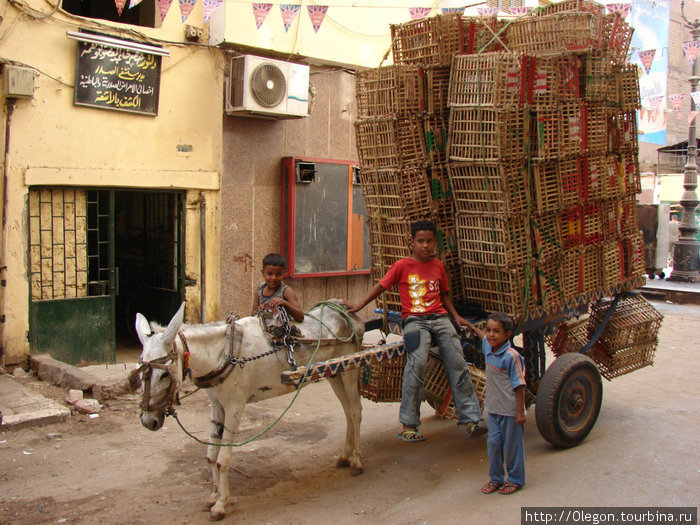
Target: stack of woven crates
[[518, 137]]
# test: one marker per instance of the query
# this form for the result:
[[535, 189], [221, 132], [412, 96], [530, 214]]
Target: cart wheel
[[568, 400]]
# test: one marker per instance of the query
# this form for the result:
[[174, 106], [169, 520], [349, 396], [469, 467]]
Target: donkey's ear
[[143, 329], [174, 324]]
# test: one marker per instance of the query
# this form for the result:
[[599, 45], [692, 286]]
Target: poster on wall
[[650, 53], [119, 79]]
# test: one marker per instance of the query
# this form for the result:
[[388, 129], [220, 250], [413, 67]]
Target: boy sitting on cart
[[425, 304]]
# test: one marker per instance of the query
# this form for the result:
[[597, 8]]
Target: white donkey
[[237, 364]]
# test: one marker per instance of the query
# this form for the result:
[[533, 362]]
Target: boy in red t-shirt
[[425, 304]]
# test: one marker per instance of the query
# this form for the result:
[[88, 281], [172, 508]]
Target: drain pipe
[[10, 108], [203, 256]]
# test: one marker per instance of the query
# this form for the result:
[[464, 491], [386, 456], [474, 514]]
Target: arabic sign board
[[120, 79]]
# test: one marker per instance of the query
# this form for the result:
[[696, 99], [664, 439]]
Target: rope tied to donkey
[[323, 304]]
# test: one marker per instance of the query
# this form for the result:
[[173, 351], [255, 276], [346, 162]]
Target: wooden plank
[[344, 363]]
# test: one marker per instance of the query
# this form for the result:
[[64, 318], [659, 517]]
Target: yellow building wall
[[54, 142]]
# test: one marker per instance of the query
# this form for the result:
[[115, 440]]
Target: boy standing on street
[[505, 402], [425, 303]]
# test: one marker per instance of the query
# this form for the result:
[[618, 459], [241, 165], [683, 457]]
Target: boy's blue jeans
[[506, 443], [418, 332]]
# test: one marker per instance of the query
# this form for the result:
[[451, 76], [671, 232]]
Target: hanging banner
[[450, 10], [186, 7], [209, 7], [691, 51], [289, 13], [691, 116], [120, 6], [696, 97], [622, 8], [487, 11], [676, 100], [519, 10], [134, 3], [655, 102], [317, 13], [260, 12], [163, 6], [647, 58], [419, 12]]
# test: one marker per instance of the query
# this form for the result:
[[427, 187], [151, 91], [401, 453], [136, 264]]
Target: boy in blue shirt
[[505, 402]]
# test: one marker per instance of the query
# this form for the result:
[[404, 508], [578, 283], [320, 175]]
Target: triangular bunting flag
[[655, 102], [519, 10], [647, 58], [696, 97], [622, 8], [450, 10], [289, 13], [120, 6], [163, 6], [260, 12], [317, 13], [134, 3], [419, 12], [676, 100], [691, 116], [487, 11], [209, 7], [691, 51], [186, 7]]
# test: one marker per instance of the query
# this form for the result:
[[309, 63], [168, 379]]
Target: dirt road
[[110, 470]]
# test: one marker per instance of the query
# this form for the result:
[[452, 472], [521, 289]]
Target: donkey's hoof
[[356, 471], [207, 505], [216, 516], [342, 463]]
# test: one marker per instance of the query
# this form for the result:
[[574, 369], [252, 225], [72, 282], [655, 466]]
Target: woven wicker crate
[[381, 382], [550, 294], [493, 240], [633, 254], [592, 223], [634, 321], [390, 142], [595, 169], [437, 80], [610, 219], [571, 336], [614, 183], [571, 223], [497, 187], [557, 132], [629, 225], [559, 32], [571, 5], [546, 187], [623, 131], [496, 289], [612, 265], [483, 35], [617, 36], [625, 88], [571, 180], [624, 360], [398, 90], [490, 79], [441, 190], [483, 134], [396, 194], [628, 169], [435, 129], [595, 136], [546, 235], [597, 76], [392, 236], [437, 392], [581, 272], [429, 41]]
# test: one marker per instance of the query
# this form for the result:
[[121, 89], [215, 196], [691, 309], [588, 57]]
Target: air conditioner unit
[[259, 86]]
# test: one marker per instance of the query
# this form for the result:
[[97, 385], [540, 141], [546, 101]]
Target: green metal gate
[[76, 258]]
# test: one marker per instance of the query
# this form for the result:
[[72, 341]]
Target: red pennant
[[317, 13], [289, 13], [186, 7], [419, 12], [623, 9], [676, 100], [647, 58], [163, 6], [120, 6], [260, 12], [691, 51]]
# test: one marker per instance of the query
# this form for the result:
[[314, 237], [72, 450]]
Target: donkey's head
[[160, 370]]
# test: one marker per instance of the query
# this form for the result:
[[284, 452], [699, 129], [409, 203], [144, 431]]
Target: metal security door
[[73, 281]]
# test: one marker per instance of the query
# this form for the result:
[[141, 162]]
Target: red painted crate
[[617, 35], [571, 222], [571, 181]]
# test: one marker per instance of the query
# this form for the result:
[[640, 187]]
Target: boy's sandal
[[491, 487], [509, 488], [475, 431], [411, 435]]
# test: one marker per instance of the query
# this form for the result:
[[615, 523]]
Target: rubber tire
[[569, 373]]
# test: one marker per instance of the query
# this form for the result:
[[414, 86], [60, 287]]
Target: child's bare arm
[[478, 331], [520, 410], [290, 303], [376, 290]]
